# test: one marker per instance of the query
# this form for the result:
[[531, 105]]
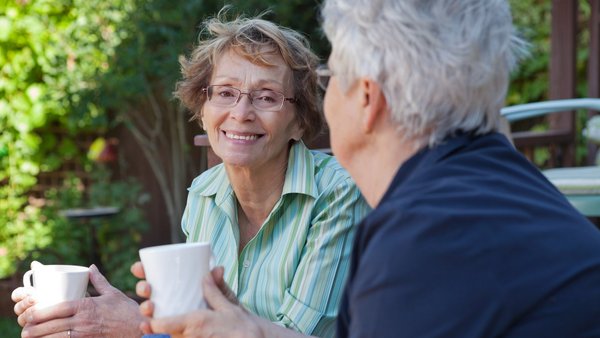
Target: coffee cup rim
[[67, 268], [169, 247]]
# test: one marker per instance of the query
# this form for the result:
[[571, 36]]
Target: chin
[[237, 161]]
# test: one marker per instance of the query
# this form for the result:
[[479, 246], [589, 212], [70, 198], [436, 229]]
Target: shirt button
[[246, 263]]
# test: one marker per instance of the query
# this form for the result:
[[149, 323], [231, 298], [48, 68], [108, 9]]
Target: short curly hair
[[254, 39]]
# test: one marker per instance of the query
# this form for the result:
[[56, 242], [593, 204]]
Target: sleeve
[[310, 304]]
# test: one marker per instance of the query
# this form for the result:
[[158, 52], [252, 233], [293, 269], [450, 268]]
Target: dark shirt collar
[[427, 156]]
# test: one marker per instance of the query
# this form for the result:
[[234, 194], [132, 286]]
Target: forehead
[[235, 67]]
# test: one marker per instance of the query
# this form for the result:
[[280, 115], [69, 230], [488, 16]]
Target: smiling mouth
[[233, 136]]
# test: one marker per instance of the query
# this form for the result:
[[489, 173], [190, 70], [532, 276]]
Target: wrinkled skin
[[110, 314], [225, 317]]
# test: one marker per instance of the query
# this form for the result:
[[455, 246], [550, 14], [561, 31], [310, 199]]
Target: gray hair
[[254, 39], [443, 65]]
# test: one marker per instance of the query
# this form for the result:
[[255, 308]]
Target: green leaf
[[5, 29]]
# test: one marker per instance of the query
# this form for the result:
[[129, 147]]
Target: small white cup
[[54, 284], [175, 272]]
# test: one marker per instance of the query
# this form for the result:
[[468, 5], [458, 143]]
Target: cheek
[[211, 118]]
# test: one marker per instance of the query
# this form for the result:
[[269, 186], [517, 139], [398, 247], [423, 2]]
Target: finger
[[147, 308], [36, 315], [55, 328], [217, 274], [137, 269], [21, 293], [62, 334], [20, 309], [214, 297], [35, 264], [142, 289], [171, 325], [145, 327], [99, 282], [23, 305]]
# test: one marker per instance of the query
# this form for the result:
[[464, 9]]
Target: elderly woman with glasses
[[279, 216]]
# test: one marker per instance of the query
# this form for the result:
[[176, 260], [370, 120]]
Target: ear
[[297, 132], [373, 102]]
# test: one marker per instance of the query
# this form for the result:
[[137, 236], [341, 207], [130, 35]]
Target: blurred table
[[581, 186], [87, 214]]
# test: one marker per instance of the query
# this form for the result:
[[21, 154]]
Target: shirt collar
[[428, 156], [299, 177], [300, 173]]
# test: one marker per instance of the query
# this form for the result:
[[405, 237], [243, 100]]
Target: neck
[[257, 190], [374, 180]]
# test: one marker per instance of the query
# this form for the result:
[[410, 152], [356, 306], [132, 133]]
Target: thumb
[[99, 281], [213, 295], [217, 275], [35, 265]]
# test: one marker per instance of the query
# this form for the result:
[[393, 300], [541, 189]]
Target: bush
[[71, 241], [9, 327]]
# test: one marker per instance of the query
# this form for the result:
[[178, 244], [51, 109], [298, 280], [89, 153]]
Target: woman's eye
[[266, 96], [226, 93]]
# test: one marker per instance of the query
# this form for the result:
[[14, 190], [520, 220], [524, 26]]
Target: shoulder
[[336, 191], [328, 172], [209, 181]]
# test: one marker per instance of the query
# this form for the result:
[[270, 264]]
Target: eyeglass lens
[[226, 96]]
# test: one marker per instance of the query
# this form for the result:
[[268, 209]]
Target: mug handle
[[27, 278]]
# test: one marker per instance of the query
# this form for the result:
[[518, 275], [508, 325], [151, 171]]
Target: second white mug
[[175, 273]]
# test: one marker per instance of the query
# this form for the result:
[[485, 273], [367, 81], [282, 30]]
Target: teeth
[[241, 137]]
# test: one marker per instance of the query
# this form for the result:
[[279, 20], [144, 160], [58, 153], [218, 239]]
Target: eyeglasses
[[323, 76], [261, 99]]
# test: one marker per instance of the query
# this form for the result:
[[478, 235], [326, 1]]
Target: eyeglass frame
[[324, 74], [292, 100]]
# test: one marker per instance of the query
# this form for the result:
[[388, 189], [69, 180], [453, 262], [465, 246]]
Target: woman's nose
[[243, 110]]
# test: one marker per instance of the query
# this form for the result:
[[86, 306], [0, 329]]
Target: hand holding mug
[[53, 284]]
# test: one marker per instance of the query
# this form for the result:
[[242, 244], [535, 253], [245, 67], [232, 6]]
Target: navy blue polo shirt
[[471, 240]]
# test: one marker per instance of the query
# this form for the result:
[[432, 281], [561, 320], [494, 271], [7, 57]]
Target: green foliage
[[50, 51], [529, 83], [64, 240], [301, 15], [9, 327], [119, 236]]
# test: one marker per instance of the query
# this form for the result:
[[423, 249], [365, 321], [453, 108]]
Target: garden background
[[87, 119]]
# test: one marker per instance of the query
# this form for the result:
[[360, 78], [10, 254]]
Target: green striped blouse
[[293, 271]]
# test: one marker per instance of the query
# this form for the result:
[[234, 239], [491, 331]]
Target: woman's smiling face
[[243, 135]]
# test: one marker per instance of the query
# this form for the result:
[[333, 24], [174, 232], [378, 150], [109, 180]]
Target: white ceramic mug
[[175, 272], [54, 284]]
